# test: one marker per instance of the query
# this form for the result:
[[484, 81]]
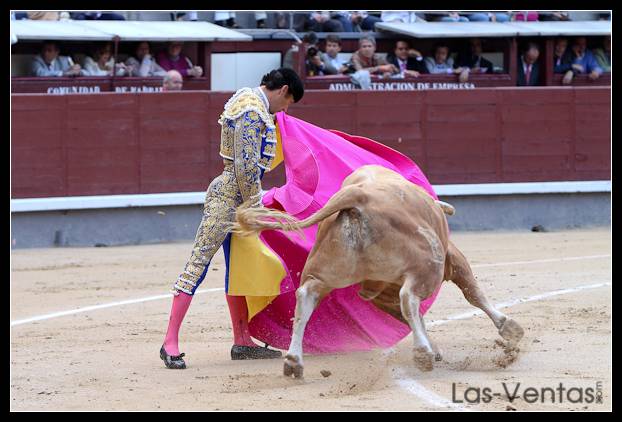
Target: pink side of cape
[[316, 162]]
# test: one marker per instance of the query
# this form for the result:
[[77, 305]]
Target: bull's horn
[[447, 208]]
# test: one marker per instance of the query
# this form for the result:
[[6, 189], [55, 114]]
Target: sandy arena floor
[[107, 359]]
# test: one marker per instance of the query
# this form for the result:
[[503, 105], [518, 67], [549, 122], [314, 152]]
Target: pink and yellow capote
[[266, 268]]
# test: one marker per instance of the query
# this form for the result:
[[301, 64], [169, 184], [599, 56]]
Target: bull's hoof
[[424, 359], [292, 366], [438, 355], [511, 331]]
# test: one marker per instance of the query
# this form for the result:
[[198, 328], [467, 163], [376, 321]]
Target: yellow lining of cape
[[254, 270]]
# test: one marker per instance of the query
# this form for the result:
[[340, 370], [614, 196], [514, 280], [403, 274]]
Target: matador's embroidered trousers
[[222, 198]]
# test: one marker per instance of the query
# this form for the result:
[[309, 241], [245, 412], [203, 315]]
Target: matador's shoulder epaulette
[[242, 101]]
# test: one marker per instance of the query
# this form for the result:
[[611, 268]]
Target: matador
[[248, 147]]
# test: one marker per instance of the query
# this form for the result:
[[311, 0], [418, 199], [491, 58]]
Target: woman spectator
[[365, 58], [143, 64], [102, 62]]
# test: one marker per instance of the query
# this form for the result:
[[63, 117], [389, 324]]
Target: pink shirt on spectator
[[182, 64], [531, 16]]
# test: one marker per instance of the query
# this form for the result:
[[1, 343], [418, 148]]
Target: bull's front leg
[[409, 301], [308, 295]]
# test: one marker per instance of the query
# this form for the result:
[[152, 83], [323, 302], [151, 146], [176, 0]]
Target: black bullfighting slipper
[[253, 352], [172, 362]]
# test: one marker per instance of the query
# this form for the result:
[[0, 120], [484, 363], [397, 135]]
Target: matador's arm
[[246, 152]]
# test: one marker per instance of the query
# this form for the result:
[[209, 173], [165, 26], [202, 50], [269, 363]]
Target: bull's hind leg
[[459, 271], [423, 351], [308, 295]]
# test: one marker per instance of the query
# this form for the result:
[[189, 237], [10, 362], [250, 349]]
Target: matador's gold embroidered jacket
[[248, 145], [248, 138]]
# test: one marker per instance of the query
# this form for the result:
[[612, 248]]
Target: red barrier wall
[[108, 143]]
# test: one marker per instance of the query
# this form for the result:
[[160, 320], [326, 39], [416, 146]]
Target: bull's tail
[[254, 220]]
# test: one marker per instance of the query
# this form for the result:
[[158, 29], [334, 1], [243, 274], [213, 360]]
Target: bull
[[389, 235]]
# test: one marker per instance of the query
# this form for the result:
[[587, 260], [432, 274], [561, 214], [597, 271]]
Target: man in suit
[[50, 63], [473, 59], [528, 67], [408, 61]]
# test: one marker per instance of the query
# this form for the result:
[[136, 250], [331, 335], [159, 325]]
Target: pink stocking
[[181, 303], [239, 320]]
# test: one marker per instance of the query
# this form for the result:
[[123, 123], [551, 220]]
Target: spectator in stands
[[102, 62], [309, 38], [582, 60], [320, 21], [528, 67], [603, 55], [173, 59], [97, 16], [173, 81], [473, 59], [318, 63], [19, 15], [227, 19], [365, 58], [44, 15], [443, 63], [282, 20], [402, 16], [408, 61], [525, 16], [334, 65], [489, 17], [50, 63], [355, 21], [560, 55], [143, 65], [313, 62], [453, 17], [604, 16], [555, 16], [191, 16], [561, 59]]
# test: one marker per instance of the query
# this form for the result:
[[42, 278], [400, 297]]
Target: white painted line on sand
[[150, 298], [539, 261], [415, 388], [411, 386], [103, 306]]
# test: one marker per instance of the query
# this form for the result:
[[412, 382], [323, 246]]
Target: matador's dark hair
[[284, 76]]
